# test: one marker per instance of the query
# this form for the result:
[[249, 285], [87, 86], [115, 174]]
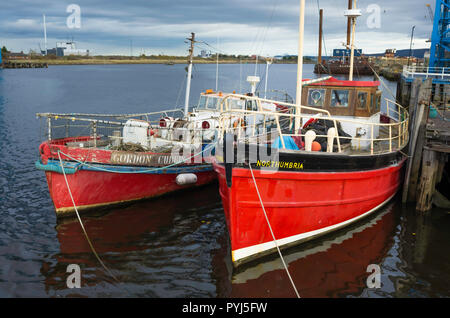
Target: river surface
[[178, 245]]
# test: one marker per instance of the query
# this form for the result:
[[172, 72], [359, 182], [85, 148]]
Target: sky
[[248, 27]]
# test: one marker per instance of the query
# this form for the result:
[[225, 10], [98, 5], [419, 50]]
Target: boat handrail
[[397, 127], [96, 122], [110, 115], [264, 100]]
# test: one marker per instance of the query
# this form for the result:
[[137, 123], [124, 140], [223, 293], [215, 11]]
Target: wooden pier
[[428, 96]]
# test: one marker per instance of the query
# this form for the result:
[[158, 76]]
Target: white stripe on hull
[[248, 253]]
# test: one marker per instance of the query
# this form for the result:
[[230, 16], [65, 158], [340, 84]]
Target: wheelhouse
[[344, 98]]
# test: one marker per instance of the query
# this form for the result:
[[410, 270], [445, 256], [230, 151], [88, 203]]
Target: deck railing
[[442, 73], [396, 129], [109, 126]]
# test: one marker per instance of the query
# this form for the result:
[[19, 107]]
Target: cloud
[[242, 27]]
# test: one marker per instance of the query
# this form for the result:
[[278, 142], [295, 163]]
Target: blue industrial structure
[[439, 66], [440, 38]]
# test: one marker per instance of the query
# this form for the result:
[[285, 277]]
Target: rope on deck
[[273, 236]]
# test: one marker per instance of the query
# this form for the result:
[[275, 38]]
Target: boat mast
[[268, 62], [217, 65], [349, 23], [298, 97], [319, 55], [352, 14], [188, 82]]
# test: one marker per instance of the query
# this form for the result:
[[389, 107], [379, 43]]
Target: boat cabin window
[[316, 97], [339, 98], [376, 102], [236, 103], [202, 102], [209, 102], [251, 105], [361, 102], [213, 102]]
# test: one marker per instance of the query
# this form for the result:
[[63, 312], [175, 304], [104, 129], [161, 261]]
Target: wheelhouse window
[[251, 105], [339, 98], [376, 102], [209, 102], [236, 103], [202, 102], [316, 97], [212, 103], [361, 102]]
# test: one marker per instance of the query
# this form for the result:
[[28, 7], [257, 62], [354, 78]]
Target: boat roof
[[332, 81]]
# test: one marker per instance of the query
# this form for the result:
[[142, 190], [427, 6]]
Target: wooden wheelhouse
[[344, 98]]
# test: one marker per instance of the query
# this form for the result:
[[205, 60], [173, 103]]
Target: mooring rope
[[81, 223], [271, 232]]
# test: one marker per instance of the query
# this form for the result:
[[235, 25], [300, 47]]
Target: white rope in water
[[81, 223], [271, 232]]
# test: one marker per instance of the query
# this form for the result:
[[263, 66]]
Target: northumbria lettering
[[280, 164]]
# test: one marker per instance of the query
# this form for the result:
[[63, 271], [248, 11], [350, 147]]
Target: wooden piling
[[418, 120], [428, 178]]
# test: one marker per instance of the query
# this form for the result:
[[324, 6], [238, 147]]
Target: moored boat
[[297, 175], [298, 193], [129, 162]]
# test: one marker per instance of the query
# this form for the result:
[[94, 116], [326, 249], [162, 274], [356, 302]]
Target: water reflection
[[419, 262], [161, 248], [330, 267], [157, 248]]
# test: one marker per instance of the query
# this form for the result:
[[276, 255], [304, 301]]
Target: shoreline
[[168, 62]]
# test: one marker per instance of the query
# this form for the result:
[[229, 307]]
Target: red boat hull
[[100, 177], [299, 205], [92, 189]]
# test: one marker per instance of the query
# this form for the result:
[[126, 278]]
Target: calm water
[[178, 246]]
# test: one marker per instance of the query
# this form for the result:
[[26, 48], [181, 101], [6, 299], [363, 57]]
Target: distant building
[[69, 48], [205, 54], [66, 49], [16, 56], [390, 53]]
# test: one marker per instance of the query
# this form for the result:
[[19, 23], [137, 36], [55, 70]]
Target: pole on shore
[[45, 35]]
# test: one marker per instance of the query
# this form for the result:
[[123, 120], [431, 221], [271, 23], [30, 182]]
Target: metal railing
[[396, 129], [60, 126], [442, 73]]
